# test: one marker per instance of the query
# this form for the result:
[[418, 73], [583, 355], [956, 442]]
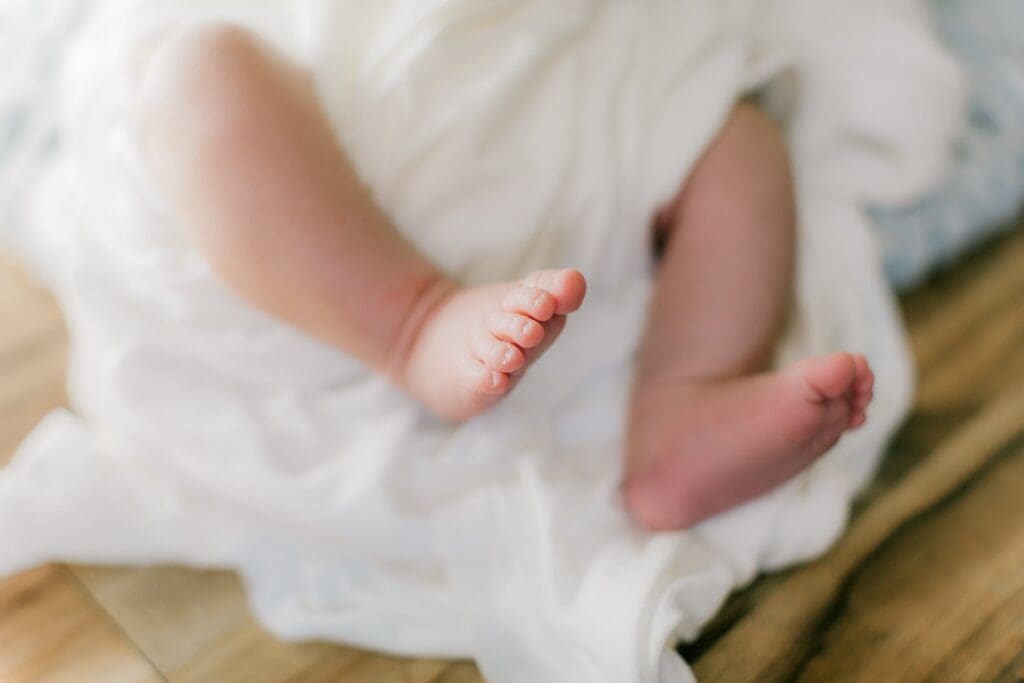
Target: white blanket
[[501, 136]]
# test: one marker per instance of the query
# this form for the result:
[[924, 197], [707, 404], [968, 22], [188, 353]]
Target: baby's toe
[[866, 383], [566, 285], [862, 371], [861, 393], [534, 302], [496, 354], [521, 330], [829, 377], [864, 388], [480, 379], [861, 401]]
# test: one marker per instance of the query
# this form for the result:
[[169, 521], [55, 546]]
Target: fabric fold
[[501, 136]]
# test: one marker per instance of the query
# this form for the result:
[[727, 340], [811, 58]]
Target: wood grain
[[928, 583], [925, 603], [776, 636], [52, 632]]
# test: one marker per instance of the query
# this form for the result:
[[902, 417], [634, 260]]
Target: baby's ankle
[[429, 298]]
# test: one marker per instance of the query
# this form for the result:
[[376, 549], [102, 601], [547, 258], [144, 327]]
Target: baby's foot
[[478, 342], [700, 448]]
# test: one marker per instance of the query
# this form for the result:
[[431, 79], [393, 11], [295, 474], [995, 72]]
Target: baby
[[235, 135]]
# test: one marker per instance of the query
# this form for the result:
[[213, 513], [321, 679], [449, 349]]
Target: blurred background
[[929, 582]]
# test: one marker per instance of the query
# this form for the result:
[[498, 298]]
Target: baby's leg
[[236, 136], [709, 428]]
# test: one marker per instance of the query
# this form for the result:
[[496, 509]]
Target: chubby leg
[[709, 427], [235, 135]]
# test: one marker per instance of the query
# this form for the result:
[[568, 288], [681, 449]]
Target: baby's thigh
[[206, 75]]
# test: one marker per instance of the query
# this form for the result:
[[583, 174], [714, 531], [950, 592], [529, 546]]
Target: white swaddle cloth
[[501, 136]]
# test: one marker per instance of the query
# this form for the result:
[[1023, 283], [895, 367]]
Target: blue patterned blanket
[[984, 190]]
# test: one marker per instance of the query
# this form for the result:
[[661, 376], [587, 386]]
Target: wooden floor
[[928, 583]]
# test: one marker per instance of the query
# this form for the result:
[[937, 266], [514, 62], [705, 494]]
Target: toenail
[[538, 301], [510, 354], [495, 380]]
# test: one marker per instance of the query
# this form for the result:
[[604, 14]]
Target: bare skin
[[272, 202], [268, 196], [709, 428], [479, 341]]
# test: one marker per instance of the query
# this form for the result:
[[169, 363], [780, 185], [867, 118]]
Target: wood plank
[[51, 632], [379, 668], [945, 312], [770, 642], [962, 347], [33, 349], [248, 653], [174, 615], [923, 606], [463, 672], [17, 290], [16, 421], [995, 649], [196, 626]]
